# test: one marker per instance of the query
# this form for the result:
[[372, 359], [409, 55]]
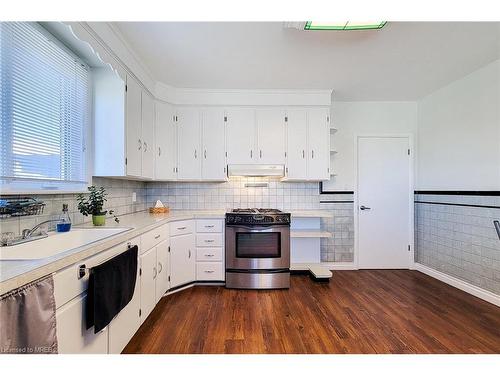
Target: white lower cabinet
[[182, 260], [72, 336], [210, 250], [148, 281], [163, 267]]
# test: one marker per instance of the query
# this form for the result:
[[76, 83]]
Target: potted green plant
[[93, 205]]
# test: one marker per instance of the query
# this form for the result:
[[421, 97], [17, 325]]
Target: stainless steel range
[[257, 249]]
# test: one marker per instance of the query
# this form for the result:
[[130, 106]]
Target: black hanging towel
[[111, 287]]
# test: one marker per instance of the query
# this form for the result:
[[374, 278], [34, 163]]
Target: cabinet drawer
[[209, 240], [209, 271], [181, 227], [154, 237], [209, 254], [67, 285], [209, 226]]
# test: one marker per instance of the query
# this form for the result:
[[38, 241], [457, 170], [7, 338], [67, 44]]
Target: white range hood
[[256, 170]]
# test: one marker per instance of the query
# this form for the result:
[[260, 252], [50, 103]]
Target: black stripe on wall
[[336, 201], [458, 204], [484, 193]]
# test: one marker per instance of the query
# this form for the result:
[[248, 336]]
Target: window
[[44, 110]]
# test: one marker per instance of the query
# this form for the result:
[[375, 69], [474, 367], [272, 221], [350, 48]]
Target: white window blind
[[44, 111]]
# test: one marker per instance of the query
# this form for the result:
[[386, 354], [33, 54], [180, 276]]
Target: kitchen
[[273, 206]]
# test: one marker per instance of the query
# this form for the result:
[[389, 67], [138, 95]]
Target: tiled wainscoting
[[459, 240], [119, 199], [340, 247]]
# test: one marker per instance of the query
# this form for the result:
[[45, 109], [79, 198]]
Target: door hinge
[[408, 151], [169, 249], [286, 170], [285, 154], [225, 118], [327, 118], [140, 271], [140, 312], [169, 278], [126, 88], [286, 118], [226, 154], [409, 247], [328, 169], [126, 161]]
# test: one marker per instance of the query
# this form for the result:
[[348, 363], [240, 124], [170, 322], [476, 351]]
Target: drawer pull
[[209, 226], [209, 241], [181, 228], [157, 236], [209, 271], [209, 255]]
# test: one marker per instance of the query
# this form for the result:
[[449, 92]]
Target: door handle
[[189, 254], [161, 267], [251, 154], [312, 154], [195, 154], [139, 144], [496, 223], [303, 154], [261, 154], [205, 154], [145, 147], [154, 273], [362, 208], [159, 151]]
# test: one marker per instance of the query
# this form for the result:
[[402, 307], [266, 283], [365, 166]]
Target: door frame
[[411, 167]]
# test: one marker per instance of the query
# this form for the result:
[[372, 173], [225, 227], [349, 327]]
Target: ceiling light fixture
[[348, 25]]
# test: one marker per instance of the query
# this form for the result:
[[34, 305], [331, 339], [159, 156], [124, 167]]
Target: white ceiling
[[402, 61]]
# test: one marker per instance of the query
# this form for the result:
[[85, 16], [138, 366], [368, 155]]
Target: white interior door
[[383, 202], [214, 156]]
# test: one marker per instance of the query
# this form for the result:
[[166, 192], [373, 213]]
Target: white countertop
[[15, 273]]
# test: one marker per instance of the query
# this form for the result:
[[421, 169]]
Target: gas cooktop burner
[[257, 216]]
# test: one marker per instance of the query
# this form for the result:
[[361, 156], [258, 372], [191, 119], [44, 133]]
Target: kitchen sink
[[57, 243]]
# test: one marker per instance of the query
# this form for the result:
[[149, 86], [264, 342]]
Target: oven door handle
[[259, 228]]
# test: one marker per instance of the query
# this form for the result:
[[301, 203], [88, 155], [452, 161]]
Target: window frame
[[19, 186]]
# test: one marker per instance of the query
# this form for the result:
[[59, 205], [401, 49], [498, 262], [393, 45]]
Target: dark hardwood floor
[[382, 311]]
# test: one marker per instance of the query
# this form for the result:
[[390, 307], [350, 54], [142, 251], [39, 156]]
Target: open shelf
[[309, 233]]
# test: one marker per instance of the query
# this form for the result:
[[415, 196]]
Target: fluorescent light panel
[[348, 25]]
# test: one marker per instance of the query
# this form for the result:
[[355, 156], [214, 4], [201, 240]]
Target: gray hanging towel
[[111, 287], [28, 319]]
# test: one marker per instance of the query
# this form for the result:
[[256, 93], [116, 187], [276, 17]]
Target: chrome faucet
[[27, 233]]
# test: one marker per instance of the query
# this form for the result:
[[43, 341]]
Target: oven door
[[257, 247]]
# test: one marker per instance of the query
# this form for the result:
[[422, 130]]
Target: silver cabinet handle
[[209, 226], [260, 154], [154, 273], [195, 154], [207, 271], [303, 154], [145, 147], [181, 228], [251, 154], [209, 241], [312, 154], [189, 253], [140, 144], [496, 223], [161, 267], [205, 154], [362, 208], [159, 151], [209, 255], [157, 236]]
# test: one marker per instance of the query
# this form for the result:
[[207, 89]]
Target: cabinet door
[[163, 267], [297, 144], [166, 142], [127, 322], [189, 140], [72, 336], [148, 149], [240, 136], [134, 128], [182, 260], [318, 163], [271, 136], [148, 280], [213, 141]]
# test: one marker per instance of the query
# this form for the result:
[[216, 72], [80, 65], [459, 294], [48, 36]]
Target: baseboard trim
[[460, 284], [334, 266]]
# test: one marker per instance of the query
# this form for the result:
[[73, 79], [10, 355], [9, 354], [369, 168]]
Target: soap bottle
[[64, 224]]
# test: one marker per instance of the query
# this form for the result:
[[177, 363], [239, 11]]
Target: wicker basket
[[159, 210]]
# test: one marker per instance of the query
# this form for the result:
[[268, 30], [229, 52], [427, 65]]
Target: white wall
[[364, 118], [459, 134]]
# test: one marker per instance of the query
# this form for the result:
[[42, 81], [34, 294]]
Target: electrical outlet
[[134, 197]]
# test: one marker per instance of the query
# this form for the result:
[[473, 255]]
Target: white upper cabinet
[[270, 136], [318, 156], [148, 136], [297, 144], [189, 141], [133, 128], [213, 144], [165, 142], [240, 136]]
